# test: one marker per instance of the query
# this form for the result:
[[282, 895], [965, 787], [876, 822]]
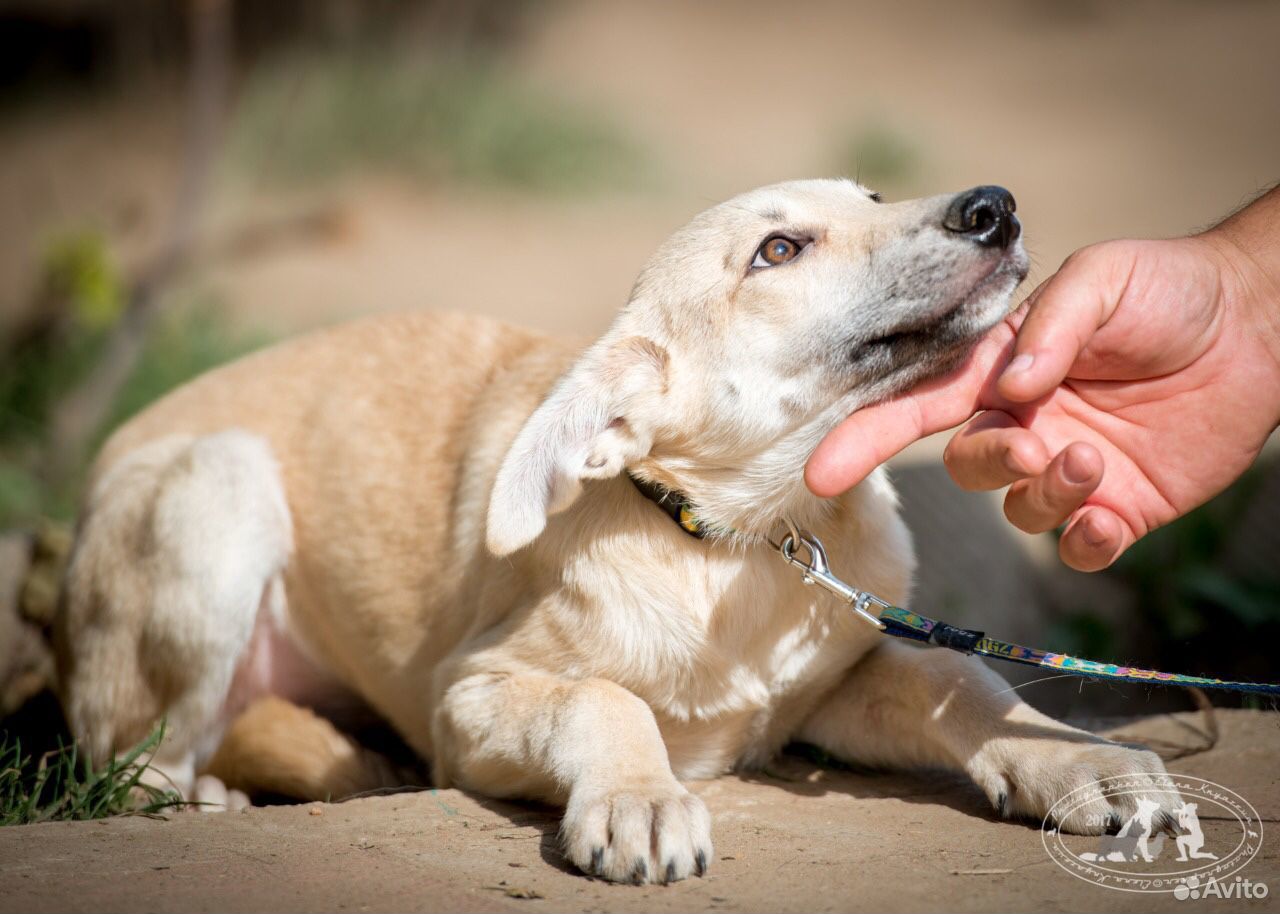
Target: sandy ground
[[798, 839]]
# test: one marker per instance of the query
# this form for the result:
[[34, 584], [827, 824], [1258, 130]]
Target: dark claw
[[700, 862], [597, 861], [639, 871], [670, 875], [1002, 804], [1113, 823]]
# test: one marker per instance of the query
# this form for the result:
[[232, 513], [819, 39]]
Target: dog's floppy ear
[[597, 419]]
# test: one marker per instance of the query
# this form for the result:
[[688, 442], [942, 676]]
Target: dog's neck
[[756, 494]]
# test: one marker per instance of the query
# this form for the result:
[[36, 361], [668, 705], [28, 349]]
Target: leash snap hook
[[817, 571]]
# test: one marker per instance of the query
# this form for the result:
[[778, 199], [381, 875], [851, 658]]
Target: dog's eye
[[776, 250]]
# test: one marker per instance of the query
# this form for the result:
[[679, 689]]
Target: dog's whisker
[[1032, 682]]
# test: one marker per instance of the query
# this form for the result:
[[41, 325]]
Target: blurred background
[[181, 182]]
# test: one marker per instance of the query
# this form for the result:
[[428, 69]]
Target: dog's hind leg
[[277, 748], [181, 545]]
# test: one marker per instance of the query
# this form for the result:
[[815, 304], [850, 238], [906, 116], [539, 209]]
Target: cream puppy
[[432, 517]]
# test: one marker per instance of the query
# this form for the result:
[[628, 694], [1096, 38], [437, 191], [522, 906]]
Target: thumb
[[1065, 312], [872, 435], [861, 443]]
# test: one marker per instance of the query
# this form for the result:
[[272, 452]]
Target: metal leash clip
[[816, 571]]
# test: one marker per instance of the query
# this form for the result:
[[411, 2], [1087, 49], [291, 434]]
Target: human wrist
[[1254, 232], [1246, 247]]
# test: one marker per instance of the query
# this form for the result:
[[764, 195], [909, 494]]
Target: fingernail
[[1013, 464], [1020, 364], [1074, 469], [1092, 535]]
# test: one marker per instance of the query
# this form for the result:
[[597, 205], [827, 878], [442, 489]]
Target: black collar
[[673, 504]]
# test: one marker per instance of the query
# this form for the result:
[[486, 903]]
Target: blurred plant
[[180, 344], [878, 156], [21, 498], [309, 117], [1180, 574], [90, 347], [61, 784], [81, 295], [1083, 634], [1196, 609], [78, 270], [80, 339]]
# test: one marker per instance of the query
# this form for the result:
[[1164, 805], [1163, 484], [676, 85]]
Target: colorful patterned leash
[[902, 623]]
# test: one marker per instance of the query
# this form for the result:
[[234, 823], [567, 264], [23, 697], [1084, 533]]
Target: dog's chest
[[707, 635]]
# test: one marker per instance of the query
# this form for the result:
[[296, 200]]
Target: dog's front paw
[[1108, 784], [645, 833]]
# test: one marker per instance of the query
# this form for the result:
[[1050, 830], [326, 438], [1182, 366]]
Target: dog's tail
[[278, 749]]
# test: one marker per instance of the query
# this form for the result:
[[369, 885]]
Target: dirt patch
[[798, 839]]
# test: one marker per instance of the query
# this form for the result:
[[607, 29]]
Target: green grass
[[311, 117], [62, 785]]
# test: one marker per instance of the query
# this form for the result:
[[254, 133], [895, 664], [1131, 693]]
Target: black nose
[[984, 214]]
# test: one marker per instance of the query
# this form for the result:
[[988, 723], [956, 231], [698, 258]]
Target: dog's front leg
[[588, 744], [903, 706]]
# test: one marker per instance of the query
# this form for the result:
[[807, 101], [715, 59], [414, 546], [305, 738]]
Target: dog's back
[[203, 517]]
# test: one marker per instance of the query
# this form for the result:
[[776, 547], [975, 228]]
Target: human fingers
[[862, 442], [873, 434], [1066, 311], [1043, 502], [1094, 539], [993, 451]]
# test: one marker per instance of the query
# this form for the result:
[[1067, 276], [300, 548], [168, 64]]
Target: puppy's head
[[753, 330]]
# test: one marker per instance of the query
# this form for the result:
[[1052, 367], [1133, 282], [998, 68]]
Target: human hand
[[1132, 386]]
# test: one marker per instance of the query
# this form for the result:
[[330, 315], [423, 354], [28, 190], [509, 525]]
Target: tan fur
[[443, 532], [275, 747]]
